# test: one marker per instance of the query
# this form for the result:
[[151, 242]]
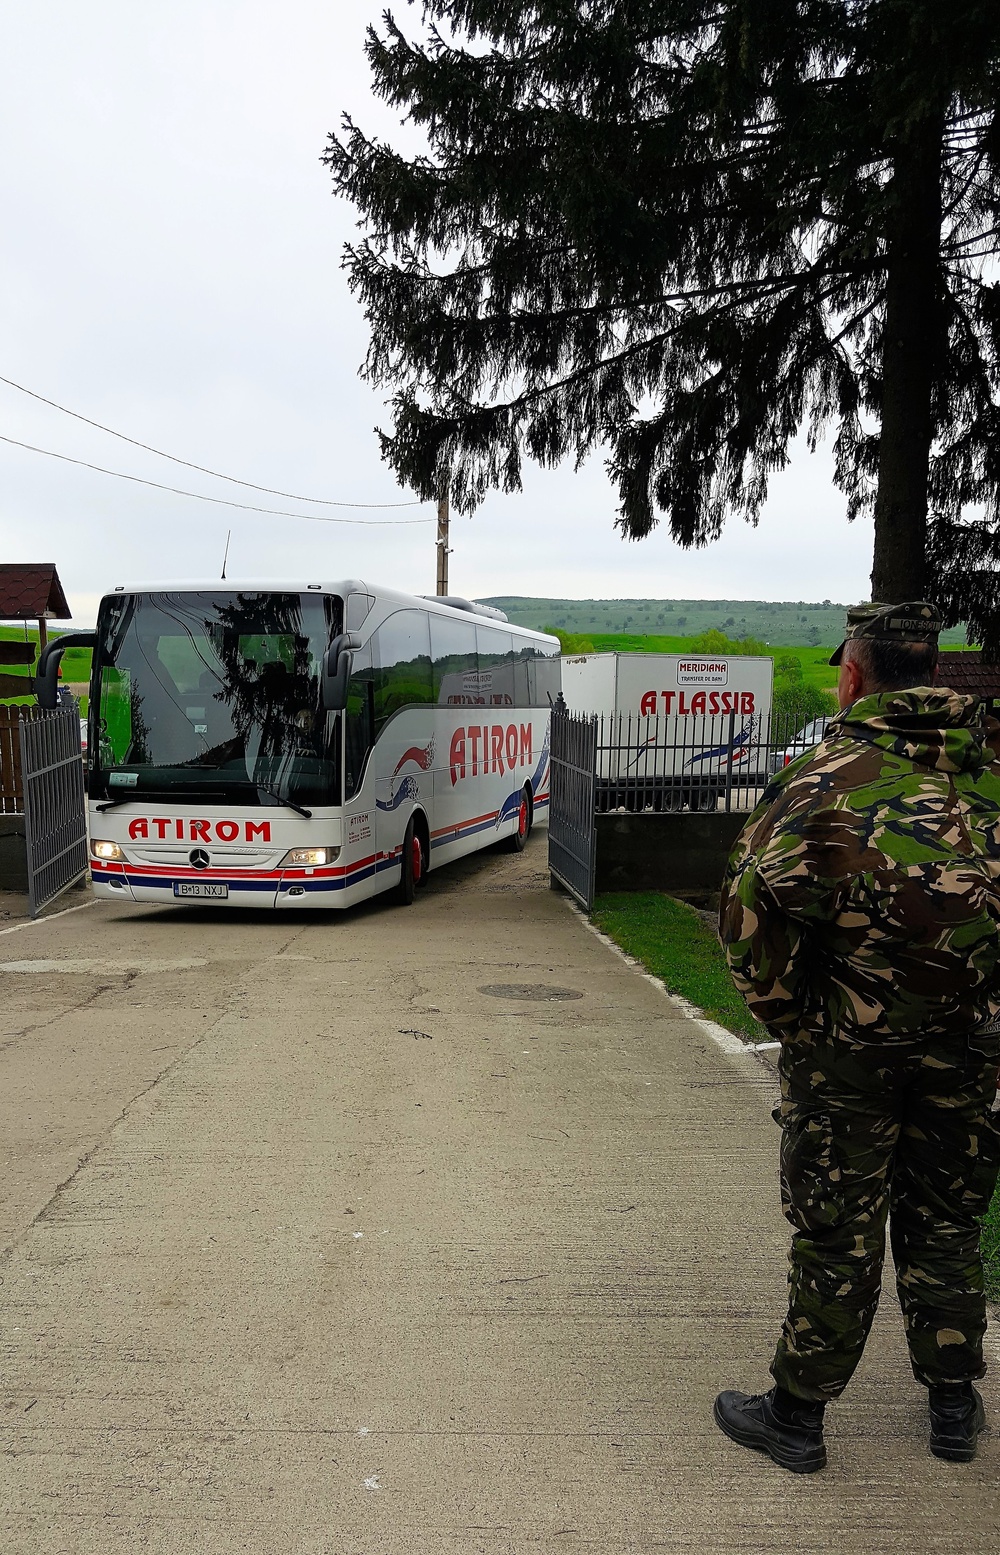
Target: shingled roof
[[966, 673], [31, 591]]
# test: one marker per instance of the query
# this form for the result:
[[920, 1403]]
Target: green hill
[[792, 623]]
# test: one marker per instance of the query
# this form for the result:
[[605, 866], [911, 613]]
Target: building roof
[[965, 672], [31, 591]]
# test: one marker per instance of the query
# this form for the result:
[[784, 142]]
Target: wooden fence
[[11, 790]]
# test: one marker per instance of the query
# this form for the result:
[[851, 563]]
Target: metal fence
[[572, 831], [694, 763], [54, 802], [632, 763]]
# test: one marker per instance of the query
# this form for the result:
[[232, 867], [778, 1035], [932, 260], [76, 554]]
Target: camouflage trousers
[[902, 1132]]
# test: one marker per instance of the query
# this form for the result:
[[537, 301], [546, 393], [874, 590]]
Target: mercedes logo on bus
[[199, 858]]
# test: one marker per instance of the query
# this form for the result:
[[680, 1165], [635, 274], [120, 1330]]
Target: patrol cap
[[915, 621]]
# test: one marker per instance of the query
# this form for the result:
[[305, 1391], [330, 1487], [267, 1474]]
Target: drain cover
[[541, 993]]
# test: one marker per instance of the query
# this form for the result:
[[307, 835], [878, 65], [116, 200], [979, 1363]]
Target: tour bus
[[304, 745]]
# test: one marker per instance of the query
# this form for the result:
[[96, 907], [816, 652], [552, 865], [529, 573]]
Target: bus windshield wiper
[[273, 793], [112, 804]]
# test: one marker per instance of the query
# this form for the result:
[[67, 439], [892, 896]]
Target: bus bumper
[[116, 883], [121, 888]]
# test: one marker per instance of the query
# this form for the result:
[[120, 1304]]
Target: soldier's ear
[[858, 679], [850, 686]]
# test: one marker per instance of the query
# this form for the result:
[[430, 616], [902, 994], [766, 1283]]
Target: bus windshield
[[215, 696]]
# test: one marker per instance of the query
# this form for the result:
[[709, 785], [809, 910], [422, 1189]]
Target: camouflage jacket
[[863, 896]]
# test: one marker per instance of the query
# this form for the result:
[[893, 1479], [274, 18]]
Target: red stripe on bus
[[443, 831]]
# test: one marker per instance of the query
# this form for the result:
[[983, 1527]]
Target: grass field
[[75, 661], [75, 665], [675, 944]]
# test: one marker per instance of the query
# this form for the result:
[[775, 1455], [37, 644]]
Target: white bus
[[304, 745]]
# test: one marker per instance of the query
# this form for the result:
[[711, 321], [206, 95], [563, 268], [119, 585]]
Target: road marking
[[32, 923]]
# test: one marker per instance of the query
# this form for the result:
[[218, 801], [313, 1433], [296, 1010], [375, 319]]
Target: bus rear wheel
[[522, 830], [414, 862]]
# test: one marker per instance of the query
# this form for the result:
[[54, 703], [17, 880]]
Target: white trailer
[[675, 729]]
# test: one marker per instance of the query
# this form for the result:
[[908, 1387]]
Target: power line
[[270, 491], [223, 502]]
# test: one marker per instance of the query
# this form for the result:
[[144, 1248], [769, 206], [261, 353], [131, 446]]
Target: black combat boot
[[957, 1417], [788, 1429]]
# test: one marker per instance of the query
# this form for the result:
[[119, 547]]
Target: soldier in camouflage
[[861, 920]]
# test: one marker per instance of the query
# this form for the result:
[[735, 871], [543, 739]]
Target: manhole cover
[[541, 993]]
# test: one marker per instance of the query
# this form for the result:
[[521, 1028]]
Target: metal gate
[[572, 828], [55, 806]]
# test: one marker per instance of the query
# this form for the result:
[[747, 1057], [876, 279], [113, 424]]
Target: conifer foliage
[[681, 231]]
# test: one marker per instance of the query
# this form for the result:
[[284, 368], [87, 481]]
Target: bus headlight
[[305, 858], [106, 850]]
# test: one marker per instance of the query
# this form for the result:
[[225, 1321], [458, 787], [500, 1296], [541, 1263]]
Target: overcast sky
[[170, 266]]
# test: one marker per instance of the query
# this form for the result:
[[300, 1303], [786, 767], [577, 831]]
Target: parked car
[[803, 741]]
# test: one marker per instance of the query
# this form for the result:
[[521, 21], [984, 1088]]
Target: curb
[[720, 1035]]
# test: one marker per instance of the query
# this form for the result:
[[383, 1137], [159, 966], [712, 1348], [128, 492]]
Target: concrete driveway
[[414, 1230]]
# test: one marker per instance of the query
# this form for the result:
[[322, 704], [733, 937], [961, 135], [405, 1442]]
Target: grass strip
[[674, 943]]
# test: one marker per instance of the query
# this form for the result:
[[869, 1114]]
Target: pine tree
[[681, 231]]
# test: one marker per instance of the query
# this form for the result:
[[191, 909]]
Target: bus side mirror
[[46, 686], [337, 670]]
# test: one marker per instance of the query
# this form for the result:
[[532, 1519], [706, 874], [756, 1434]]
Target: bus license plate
[[200, 888]]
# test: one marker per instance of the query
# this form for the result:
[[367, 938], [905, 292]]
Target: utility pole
[[442, 542]]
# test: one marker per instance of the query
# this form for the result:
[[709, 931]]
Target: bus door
[[404, 727]]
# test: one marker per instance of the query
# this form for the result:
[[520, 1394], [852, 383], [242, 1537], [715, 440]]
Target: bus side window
[[456, 662], [545, 675], [524, 656], [403, 664], [496, 666], [359, 720]]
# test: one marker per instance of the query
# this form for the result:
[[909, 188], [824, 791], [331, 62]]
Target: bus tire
[[522, 831], [424, 835], [414, 864]]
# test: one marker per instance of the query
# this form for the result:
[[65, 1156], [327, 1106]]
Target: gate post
[[572, 823], [55, 806]]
